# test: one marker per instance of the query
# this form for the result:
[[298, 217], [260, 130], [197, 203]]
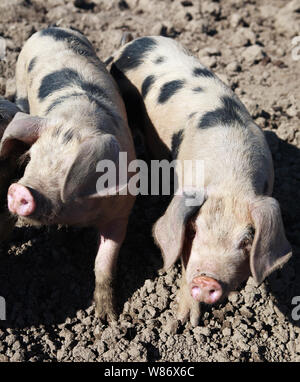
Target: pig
[[8, 171], [225, 227], [73, 117]]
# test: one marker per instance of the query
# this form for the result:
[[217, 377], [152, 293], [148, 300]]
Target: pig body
[[77, 118], [186, 110], [8, 170]]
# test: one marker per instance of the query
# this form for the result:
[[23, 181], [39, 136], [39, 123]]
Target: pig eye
[[244, 243], [24, 159], [247, 238]]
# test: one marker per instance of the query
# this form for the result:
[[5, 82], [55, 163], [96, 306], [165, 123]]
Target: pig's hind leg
[[111, 239]]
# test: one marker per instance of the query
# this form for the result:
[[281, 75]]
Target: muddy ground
[[46, 275]]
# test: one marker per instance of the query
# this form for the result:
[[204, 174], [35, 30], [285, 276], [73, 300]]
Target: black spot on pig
[[60, 34], [95, 91], [160, 60], [62, 99], [64, 78], [68, 136], [68, 78], [146, 85], [202, 72], [22, 104], [78, 45], [56, 81], [32, 64], [169, 89], [232, 111], [133, 55], [198, 89], [176, 142], [106, 108]]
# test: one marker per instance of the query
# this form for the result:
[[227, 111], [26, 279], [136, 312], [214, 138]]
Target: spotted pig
[[236, 229], [73, 118]]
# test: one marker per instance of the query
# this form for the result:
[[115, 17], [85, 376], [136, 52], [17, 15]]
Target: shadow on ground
[[285, 284]]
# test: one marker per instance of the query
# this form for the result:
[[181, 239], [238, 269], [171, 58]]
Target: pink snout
[[20, 201], [206, 289]]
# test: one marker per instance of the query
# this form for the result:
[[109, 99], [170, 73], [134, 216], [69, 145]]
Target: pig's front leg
[[187, 306], [111, 239]]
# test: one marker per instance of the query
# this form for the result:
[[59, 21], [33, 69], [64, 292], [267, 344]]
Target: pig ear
[[81, 179], [24, 129], [169, 230], [270, 249]]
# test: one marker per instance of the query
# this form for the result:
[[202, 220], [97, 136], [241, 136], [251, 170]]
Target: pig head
[[56, 188], [222, 241]]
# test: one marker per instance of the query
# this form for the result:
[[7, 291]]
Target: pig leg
[[187, 306], [111, 239]]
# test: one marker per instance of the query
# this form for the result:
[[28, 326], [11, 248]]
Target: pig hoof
[[195, 315], [182, 315], [189, 311], [104, 303], [173, 326]]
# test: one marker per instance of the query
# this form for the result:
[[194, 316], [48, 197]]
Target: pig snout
[[206, 289], [20, 200]]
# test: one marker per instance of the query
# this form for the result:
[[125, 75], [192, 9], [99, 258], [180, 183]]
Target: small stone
[[233, 67], [205, 331], [18, 357], [149, 284], [124, 357], [60, 354], [10, 339], [83, 353], [246, 312], [148, 312], [234, 298], [243, 346], [211, 8], [80, 314], [3, 358], [16, 346], [171, 326], [209, 51], [226, 332], [292, 111], [235, 19], [134, 352], [170, 341], [209, 61], [243, 37], [253, 54], [51, 345]]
